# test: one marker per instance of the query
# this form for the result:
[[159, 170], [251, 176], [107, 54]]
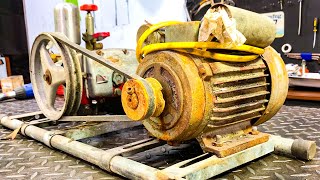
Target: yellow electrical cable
[[206, 45], [149, 31], [219, 56], [195, 47]]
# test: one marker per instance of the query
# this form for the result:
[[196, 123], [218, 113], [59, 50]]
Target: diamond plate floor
[[24, 158]]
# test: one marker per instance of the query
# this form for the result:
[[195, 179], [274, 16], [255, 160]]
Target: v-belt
[[91, 54]]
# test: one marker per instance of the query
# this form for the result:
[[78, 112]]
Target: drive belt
[[92, 55]]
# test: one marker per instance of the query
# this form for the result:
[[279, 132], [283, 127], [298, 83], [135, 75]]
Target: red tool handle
[[89, 7], [101, 35]]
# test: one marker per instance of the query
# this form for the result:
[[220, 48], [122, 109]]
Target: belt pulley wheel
[[47, 75], [142, 98], [183, 92]]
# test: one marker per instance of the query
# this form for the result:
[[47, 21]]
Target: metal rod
[[213, 166], [89, 130], [134, 170], [314, 39], [37, 113], [101, 118], [299, 148]]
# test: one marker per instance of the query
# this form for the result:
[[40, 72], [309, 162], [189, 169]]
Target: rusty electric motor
[[185, 95]]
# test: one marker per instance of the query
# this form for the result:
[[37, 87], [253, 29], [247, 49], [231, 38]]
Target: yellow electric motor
[[205, 90]]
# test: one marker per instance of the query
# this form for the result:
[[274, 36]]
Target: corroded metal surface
[[240, 90], [210, 166], [142, 99], [205, 98], [234, 145], [94, 129], [183, 93], [292, 121], [279, 84], [101, 81]]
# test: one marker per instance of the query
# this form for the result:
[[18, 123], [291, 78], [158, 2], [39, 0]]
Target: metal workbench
[[24, 158]]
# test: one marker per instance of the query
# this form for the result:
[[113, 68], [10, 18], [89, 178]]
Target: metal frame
[[89, 126], [115, 160]]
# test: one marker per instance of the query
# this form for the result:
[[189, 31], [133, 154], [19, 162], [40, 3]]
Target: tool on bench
[[300, 14], [305, 56], [23, 92], [281, 4], [315, 28]]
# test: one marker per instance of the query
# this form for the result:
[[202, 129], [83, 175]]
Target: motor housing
[[202, 95], [216, 92]]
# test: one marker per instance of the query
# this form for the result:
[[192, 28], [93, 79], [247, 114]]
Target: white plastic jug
[[3, 68]]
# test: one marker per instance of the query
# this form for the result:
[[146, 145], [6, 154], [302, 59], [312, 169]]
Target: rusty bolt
[[218, 142], [47, 77], [202, 70], [205, 71]]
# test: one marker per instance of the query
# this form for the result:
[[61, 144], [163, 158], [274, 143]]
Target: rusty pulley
[[183, 93], [142, 98]]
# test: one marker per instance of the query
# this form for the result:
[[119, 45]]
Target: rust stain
[[234, 145], [112, 59], [279, 84], [162, 176], [183, 92]]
